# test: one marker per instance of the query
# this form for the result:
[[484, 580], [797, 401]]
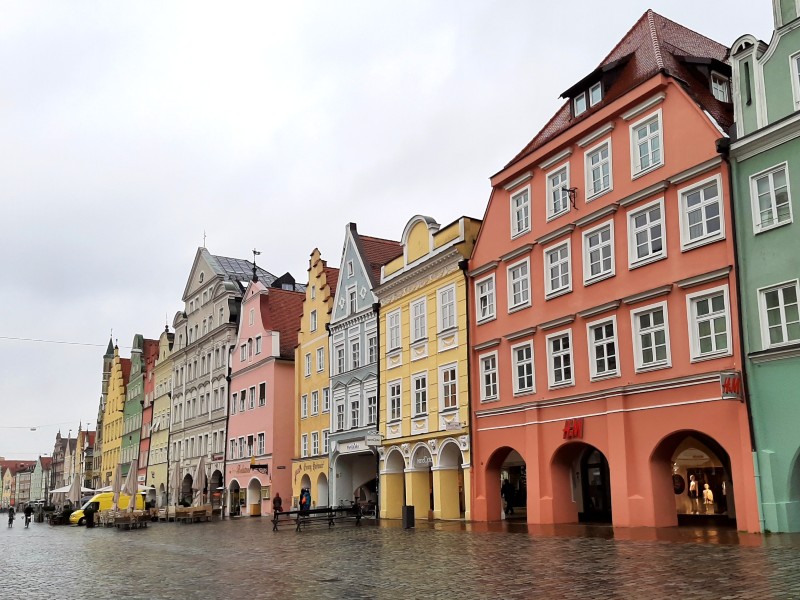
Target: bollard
[[408, 516]]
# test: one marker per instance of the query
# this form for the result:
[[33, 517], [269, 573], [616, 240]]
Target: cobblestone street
[[245, 559]]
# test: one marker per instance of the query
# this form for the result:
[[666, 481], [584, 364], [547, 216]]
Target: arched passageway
[[322, 490], [506, 485], [186, 490], [215, 489], [236, 499], [449, 493], [162, 495], [254, 498], [393, 490], [419, 482], [581, 485]]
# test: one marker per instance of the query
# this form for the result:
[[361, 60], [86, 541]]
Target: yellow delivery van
[[105, 501]]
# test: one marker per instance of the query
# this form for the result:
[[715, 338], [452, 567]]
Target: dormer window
[[579, 104], [720, 87], [595, 93], [586, 99]]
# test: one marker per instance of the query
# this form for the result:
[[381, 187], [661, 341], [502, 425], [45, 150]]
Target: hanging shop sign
[[573, 428], [373, 439], [730, 383], [453, 426]]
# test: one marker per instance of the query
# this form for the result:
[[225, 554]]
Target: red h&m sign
[[730, 383], [573, 428]]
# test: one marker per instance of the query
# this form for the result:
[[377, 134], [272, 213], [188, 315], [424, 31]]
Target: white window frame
[[591, 192], [393, 330], [320, 359], [372, 348], [686, 242], [314, 403], [515, 364], [794, 71], [575, 111], [562, 187], [258, 346], [350, 269], [326, 399], [417, 392], [490, 315], [446, 309], [590, 327], [304, 406], [638, 350], [694, 342], [420, 304], [354, 348], [633, 260], [636, 167], [304, 446], [314, 443], [757, 227], [259, 443], [313, 320], [598, 85], [372, 407], [341, 357], [354, 406], [524, 208], [242, 352], [763, 317], [549, 291], [352, 300], [394, 405], [720, 82], [525, 285], [308, 364], [551, 374], [483, 372], [454, 382], [588, 278], [326, 441]]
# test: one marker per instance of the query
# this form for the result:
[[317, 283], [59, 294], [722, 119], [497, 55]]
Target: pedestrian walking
[[277, 503], [507, 492], [28, 515], [10, 516]]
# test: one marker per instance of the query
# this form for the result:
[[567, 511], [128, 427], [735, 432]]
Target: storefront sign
[[453, 426], [423, 461], [351, 447], [730, 383], [573, 428], [373, 439], [217, 457]]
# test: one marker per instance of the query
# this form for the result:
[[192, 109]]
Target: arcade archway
[[215, 488], [393, 492], [236, 499], [506, 500], [254, 498], [581, 485], [322, 490], [449, 493], [186, 490]]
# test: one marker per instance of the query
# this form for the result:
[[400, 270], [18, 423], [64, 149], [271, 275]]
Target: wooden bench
[[329, 515]]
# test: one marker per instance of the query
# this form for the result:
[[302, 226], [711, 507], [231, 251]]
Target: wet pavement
[[243, 558]]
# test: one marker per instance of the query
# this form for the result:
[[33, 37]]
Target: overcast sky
[[129, 129]]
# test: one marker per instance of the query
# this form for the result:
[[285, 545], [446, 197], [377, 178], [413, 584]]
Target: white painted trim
[[514, 379], [638, 357], [487, 344], [549, 292], [794, 59], [550, 369], [518, 181], [593, 374], [512, 308], [599, 309], [389, 418], [423, 300], [526, 249], [694, 348], [754, 207], [556, 234], [694, 171], [587, 171], [633, 261], [646, 105], [708, 277], [481, 373], [762, 312], [566, 153], [452, 365], [516, 335], [597, 215], [556, 322], [528, 204], [587, 278], [483, 269], [493, 314], [439, 314], [550, 215], [636, 169], [596, 134], [686, 244]]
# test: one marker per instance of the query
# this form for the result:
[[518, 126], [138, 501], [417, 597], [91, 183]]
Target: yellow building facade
[[312, 386], [424, 404], [113, 416]]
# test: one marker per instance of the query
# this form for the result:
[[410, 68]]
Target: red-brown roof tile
[[47, 462], [281, 311], [332, 278], [15, 465], [653, 45], [125, 363], [378, 252]]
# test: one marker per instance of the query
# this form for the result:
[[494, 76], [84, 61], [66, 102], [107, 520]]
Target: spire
[[110, 349], [255, 273]]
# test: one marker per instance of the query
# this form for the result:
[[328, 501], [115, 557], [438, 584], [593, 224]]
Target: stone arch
[[186, 488], [580, 484], [501, 462], [450, 455], [235, 496], [322, 490], [254, 497]]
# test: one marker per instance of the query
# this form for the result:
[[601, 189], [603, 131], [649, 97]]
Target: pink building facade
[[605, 345], [261, 407]]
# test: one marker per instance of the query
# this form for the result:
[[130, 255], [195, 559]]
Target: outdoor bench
[[329, 515]]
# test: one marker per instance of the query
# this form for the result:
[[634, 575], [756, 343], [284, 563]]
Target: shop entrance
[[448, 482], [595, 487], [236, 499], [322, 490], [354, 476], [581, 485], [186, 491], [692, 482], [254, 498], [216, 488], [506, 485]]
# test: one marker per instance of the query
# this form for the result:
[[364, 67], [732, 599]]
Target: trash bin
[[408, 516], [89, 514]]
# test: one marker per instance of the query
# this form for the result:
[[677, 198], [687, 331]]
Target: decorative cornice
[[526, 249], [703, 278], [419, 276], [362, 317], [519, 180], [766, 138], [601, 308], [486, 345], [566, 153], [597, 215], [556, 323], [645, 193], [695, 171], [520, 334], [483, 269], [596, 135], [647, 295], [772, 354], [640, 108], [553, 235]]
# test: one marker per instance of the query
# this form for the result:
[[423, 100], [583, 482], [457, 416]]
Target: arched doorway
[[581, 485], [254, 498], [449, 482], [420, 482], [393, 488], [186, 490], [692, 482], [236, 499], [162, 495], [216, 488], [506, 500], [150, 498], [322, 490]]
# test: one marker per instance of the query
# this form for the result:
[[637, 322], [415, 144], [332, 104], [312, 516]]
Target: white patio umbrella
[[199, 481], [175, 483], [74, 494], [131, 487], [116, 485]]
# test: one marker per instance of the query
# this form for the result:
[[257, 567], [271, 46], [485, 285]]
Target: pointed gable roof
[[125, 365], [376, 252], [16, 466], [236, 270], [653, 45], [281, 311], [46, 462]]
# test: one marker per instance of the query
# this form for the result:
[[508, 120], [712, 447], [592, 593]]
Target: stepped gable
[[653, 45], [281, 311], [378, 252]]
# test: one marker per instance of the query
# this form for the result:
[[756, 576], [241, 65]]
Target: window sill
[[395, 421], [557, 293], [596, 195], [420, 416], [758, 230], [449, 411], [514, 309], [598, 278], [558, 386], [701, 242], [447, 331], [604, 376], [519, 234], [705, 357], [635, 175], [658, 367], [488, 400], [521, 393], [554, 216], [486, 320], [646, 261]]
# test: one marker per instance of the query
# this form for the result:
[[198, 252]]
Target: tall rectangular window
[[243, 352], [519, 292], [320, 359], [242, 400], [598, 170], [522, 360], [598, 252], [646, 144], [558, 192], [559, 358], [449, 381], [326, 399], [557, 271], [484, 292], [395, 400], [355, 353], [258, 347], [308, 365], [340, 416], [341, 366], [419, 321], [603, 358], [701, 214], [419, 385], [372, 349], [326, 444], [313, 320], [780, 321], [769, 193], [252, 397], [447, 308], [372, 408], [646, 234], [304, 406], [260, 444], [315, 402], [314, 443], [393, 325], [520, 212], [488, 365], [262, 394], [651, 337], [352, 301], [709, 319], [720, 88], [304, 446]]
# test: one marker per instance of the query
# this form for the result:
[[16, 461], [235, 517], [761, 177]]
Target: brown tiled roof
[[47, 462], [15, 465], [332, 278], [653, 45], [378, 252], [281, 311], [90, 435], [125, 363]]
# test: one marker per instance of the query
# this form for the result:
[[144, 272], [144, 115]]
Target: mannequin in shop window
[[708, 499], [694, 495]]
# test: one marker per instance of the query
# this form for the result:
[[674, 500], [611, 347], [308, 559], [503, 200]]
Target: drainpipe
[[376, 308], [463, 264], [723, 148], [227, 421]]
